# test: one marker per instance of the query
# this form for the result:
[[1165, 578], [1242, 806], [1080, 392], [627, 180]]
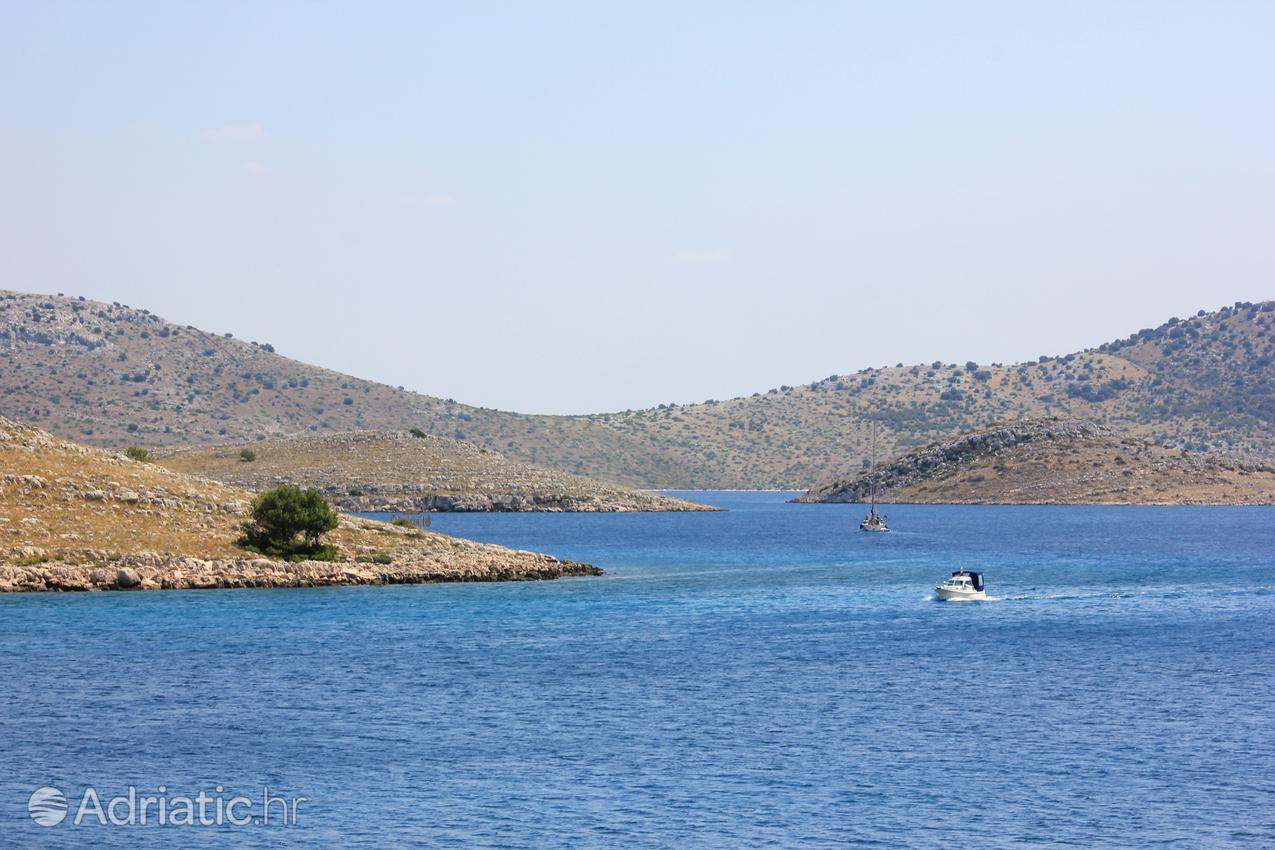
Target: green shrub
[[402, 522], [248, 455], [140, 454], [288, 522], [417, 432]]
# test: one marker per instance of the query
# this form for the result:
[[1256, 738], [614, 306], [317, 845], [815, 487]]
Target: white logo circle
[[47, 806]]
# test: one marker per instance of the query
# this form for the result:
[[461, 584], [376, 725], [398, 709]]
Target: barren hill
[[396, 471], [79, 518], [112, 375], [1053, 462]]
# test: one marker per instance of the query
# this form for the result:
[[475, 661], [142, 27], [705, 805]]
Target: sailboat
[[873, 521]]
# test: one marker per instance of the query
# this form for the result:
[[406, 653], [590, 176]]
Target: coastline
[[402, 472], [150, 571], [1062, 503], [514, 503]]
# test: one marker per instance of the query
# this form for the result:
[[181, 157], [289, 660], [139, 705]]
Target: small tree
[[139, 454], [247, 455], [417, 432], [281, 515]]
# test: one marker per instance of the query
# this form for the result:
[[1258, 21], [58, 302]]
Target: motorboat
[[962, 585]]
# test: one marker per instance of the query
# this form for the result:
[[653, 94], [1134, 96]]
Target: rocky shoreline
[[152, 571], [401, 503], [406, 472]]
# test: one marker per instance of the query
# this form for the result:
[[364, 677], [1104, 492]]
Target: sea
[[766, 676]]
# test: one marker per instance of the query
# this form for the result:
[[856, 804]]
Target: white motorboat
[[962, 585]]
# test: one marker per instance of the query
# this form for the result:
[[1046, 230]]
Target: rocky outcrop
[[174, 572]]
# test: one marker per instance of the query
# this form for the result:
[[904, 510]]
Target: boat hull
[[949, 594]]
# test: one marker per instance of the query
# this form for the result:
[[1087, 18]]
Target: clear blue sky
[[556, 207]]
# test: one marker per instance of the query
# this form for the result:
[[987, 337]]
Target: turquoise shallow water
[[767, 677]]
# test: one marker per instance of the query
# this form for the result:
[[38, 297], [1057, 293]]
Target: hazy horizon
[[576, 210]]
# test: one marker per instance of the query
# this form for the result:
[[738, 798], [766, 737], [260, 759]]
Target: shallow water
[[764, 677]]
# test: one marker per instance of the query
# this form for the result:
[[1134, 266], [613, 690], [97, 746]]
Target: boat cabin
[[960, 577]]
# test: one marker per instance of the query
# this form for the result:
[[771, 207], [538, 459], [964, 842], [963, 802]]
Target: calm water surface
[[767, 677]]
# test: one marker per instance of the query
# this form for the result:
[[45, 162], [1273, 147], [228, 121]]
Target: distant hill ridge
[[112, 375], [1052, 461]]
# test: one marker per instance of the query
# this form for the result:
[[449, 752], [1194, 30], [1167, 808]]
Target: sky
[[584, 207]]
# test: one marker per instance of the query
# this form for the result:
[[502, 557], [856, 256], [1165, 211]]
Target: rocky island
[[80, 518], [410, 472], [1054, 461], [107, 374]]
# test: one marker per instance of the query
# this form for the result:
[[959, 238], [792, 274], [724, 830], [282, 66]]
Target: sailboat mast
[[872, 484]]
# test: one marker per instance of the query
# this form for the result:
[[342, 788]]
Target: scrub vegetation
[[108, 374]]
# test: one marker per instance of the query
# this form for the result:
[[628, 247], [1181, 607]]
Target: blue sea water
[[767, 677]]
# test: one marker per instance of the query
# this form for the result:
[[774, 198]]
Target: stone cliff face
[[1052, 462]]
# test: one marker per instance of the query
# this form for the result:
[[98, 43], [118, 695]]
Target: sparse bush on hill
[[417, 432], [247, 455], [1101, 392], [140, 454], [281, 515]]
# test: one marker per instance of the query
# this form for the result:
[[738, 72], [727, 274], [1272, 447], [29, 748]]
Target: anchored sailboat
[[873, 521]]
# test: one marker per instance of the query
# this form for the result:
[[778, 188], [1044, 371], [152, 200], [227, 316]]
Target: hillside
[[396, 471], [1053, 462], [78, 518], [113, 375]]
